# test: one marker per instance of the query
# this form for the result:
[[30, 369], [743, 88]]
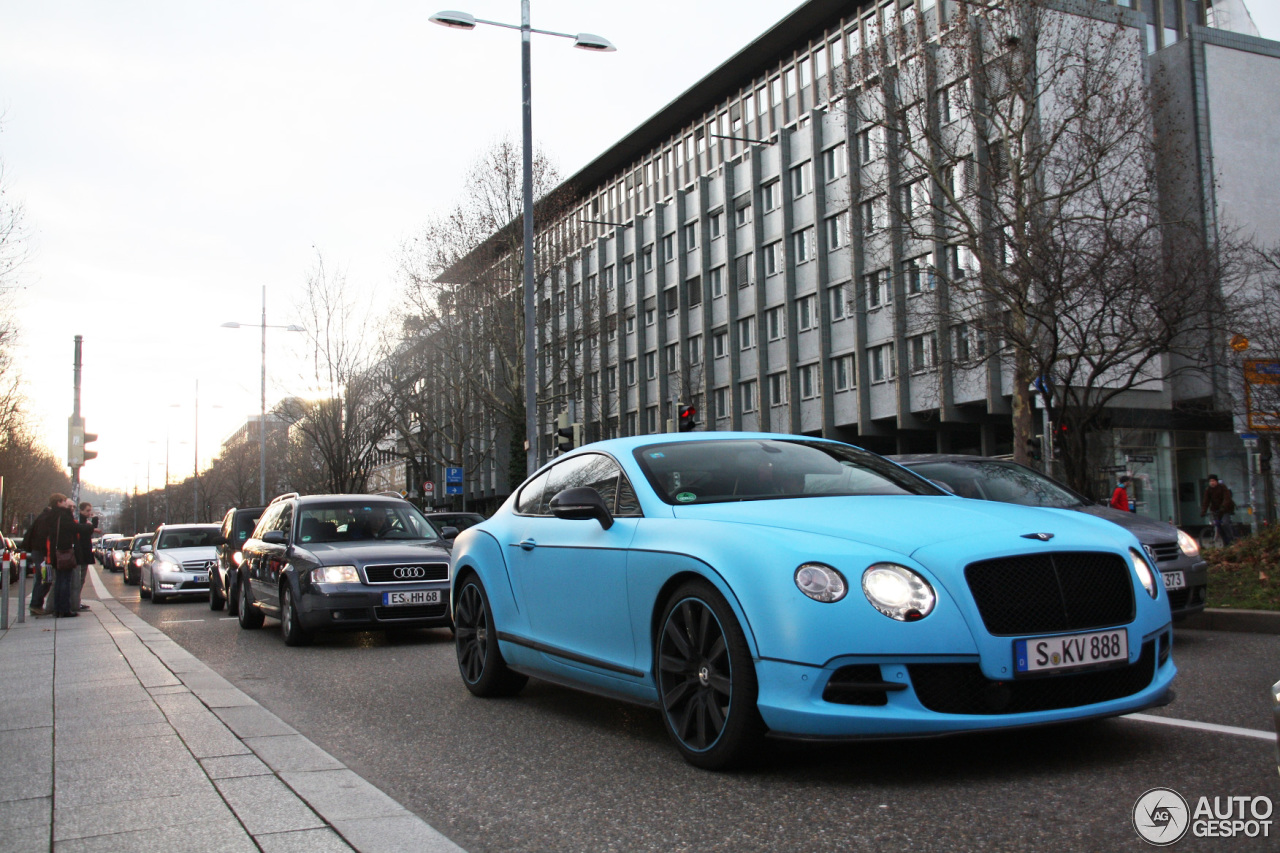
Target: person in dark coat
[[1218, 505], [84, 552], [66, 532], [36, 544]]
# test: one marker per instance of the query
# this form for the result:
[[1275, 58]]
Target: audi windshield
[[362, 522]]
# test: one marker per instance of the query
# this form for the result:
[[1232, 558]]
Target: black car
[[138, 550], [1175, 552], [459, 521], [324, 562], [237, 526]]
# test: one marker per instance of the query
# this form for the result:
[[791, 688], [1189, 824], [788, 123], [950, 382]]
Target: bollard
[[22, 589], [4, 596]]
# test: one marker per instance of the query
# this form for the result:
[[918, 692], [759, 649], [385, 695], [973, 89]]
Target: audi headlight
[[898, 592], [1144, 571], [335, 574], [237, 558], [1188, 544], [821, 582]]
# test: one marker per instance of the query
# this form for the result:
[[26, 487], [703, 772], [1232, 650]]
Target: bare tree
[[1018, 197]]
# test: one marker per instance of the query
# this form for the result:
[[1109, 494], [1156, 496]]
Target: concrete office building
[[724, 254]]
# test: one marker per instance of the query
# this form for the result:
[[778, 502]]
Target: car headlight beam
[[335, 574], [1188, 544], [821, 582], [898, 592], [1146, 574]]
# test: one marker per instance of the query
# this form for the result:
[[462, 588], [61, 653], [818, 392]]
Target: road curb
[[1227, 619]]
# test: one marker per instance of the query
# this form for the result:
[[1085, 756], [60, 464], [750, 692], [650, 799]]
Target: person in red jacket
[[1120, 497]]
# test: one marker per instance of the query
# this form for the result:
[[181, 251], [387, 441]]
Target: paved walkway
[[115, 738]]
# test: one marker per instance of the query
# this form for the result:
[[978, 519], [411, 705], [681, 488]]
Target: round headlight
[[1188, 544], [1145, 572], [898, 592], [821, 582]]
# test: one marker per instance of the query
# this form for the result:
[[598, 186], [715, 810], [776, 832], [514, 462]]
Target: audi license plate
[[419, 596], [1070, 651], [1175, 580]]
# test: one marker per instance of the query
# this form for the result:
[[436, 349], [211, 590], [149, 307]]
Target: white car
[[179, 562]]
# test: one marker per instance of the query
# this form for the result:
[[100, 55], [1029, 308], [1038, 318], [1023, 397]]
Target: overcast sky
[[175, 156]]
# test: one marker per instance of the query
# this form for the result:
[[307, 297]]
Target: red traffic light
[[688, 418]]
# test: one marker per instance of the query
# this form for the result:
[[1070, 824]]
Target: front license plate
[[1069, 651], [1175, 580], [420, 596]]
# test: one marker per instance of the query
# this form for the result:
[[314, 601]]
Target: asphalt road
[[558, 770]]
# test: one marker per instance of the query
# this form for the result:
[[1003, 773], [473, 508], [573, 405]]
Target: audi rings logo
[[408, 573]]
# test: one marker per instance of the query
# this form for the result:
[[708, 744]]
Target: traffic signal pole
[[76, 421]]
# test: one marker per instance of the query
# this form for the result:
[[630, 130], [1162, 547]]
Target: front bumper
[[179, 583], [357, 606], [1192, 597], [924, 695]]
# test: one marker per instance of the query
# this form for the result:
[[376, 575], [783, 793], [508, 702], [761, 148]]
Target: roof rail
[[285, 496], [389, 493]]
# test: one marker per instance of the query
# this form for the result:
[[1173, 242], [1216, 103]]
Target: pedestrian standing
[[84, 553], [1218, 505], [36, 544], [1120, 495]]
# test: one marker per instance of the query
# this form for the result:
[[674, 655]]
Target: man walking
[[1218, 505]]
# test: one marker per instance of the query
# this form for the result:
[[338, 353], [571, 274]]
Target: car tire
[[144, 591], [233, 596], [217, 600], [290, 625], [480, 661], [156, 597], [249, 616], [707, 686]]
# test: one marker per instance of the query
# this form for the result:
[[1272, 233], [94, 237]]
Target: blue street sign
[[453, 488], [453, 475]]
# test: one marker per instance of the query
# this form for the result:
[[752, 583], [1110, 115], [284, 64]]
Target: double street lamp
[[584, 41], [262, 425]]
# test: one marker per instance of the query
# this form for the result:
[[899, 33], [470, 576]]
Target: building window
[[803, 243], [882, 367], [771, 196], [592, 287], [716, 223], [746, 270], [651, 419], [669, 247], [721, 397], [648, 258], [917, 275], [807, 312], [967, 343], [951, 101], [775, 323], [650, 316], [839, 302], [842, 374], [608, 278], [773, 258], [835, 161], [720, 343], [611, 378], [873, 215], [960, 262], [691, 236], [870, 143], [746, 333], [693, 290], [742, 215], [633, 426], [777, 389], [673, 357], [631, 371], [877, 284], [809, 381], [837, 230], [631, 324], [747, 393], [695, 349], [802, 179], [924, 351], [628, 269], [717, 282]]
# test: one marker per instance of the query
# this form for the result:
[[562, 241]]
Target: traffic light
[[1059, 440], [77, 438], [568, 435], [1034, 447], [688, 418]]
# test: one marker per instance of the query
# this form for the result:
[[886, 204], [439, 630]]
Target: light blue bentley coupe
[[748, 584]]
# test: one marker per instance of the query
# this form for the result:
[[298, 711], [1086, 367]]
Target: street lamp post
[[584, 41], [262, 424]]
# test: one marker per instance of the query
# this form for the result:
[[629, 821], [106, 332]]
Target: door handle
[[528, 544]]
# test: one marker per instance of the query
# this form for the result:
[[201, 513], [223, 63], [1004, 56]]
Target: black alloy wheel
[[479, 660], [294, 633], [706, 681], [250, 617], [217, 600], [233, 596]]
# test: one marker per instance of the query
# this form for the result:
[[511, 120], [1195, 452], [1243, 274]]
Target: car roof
[[189, 526], [354, 498]]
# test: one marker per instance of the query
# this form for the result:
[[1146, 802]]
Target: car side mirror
[[219, 540], [275, 537], [581, 503], [146, 549], [449, 532]]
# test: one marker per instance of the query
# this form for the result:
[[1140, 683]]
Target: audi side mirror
[[275, 537], [449, 532], [581, 503]]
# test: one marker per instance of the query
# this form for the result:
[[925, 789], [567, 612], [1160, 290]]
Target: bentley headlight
[[1188, 544], [821, 582], [335, 574], [1145, 572], [898, 592]]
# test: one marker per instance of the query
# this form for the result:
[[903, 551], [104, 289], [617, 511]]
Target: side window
[[285, 521], [628, 503], [530, 499], [599, 472], [225, 532], [269, 519]]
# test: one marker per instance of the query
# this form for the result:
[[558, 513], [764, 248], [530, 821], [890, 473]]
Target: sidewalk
[[115, 738]]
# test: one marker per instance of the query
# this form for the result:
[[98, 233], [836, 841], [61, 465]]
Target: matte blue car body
[[608, 607]]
